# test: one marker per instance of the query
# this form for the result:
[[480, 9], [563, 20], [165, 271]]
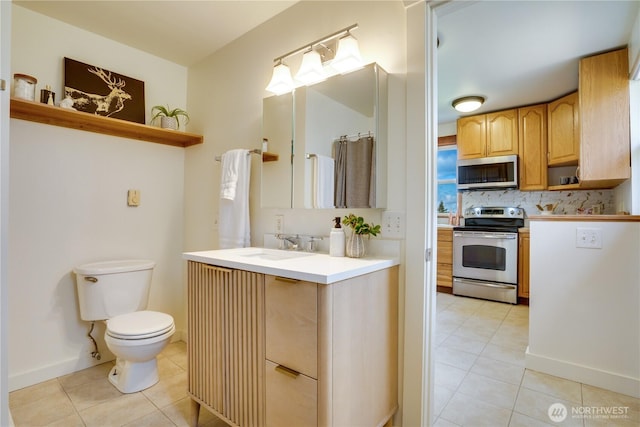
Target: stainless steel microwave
[[487, 173]]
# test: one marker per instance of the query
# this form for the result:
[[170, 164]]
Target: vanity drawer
[[291, 399], [291, 317]]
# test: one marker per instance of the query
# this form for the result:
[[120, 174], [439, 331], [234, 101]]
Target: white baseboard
[[583, 374], [24, 379]]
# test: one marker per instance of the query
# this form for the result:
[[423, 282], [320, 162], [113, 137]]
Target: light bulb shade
[[311, 70], [348, 55], [468, 103], [281, 81]]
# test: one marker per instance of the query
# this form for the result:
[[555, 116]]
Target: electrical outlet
[[393, 224], [279, 225], [590, 238]]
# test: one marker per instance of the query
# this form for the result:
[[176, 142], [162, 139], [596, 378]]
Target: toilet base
[[131, 377]]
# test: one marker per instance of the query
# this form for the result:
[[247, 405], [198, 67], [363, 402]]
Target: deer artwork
[[103, 105]]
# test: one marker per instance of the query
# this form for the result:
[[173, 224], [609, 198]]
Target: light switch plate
[[133, 197]]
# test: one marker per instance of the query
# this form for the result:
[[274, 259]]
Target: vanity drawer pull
[[286, 280], [287, 371], [214, 268]]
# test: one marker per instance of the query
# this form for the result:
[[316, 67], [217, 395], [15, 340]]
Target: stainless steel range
[[485, 253]]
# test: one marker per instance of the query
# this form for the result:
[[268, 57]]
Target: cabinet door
[[291, 316], [604, 118], [472, 137], [445, 257], [226, 342], [291, 398], [564, 131], [532, 140], [502, 133], [523, 265]]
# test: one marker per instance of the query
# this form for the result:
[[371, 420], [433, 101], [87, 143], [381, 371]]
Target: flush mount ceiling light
[[281, 81], [311, 70], [316, 54], [348, 56], [468, 104]]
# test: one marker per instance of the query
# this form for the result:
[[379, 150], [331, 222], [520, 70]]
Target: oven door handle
[[476, 235], [485, 284]]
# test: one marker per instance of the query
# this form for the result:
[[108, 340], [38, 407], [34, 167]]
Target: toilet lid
[[139, 325]]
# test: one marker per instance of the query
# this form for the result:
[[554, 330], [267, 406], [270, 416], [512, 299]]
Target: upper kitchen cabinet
[[605, 157], [532, 139], [564, 131], [488, 135]]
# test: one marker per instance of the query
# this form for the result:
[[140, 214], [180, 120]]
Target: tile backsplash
[[569, 202]]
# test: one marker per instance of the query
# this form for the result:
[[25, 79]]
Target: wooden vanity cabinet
[[338, 368], [280, 352], [488, 135], [444, 276]]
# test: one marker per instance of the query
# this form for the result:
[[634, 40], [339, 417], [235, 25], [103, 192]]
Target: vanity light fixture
[[281, 81], [348, 57], [468, 104], [316, 54]]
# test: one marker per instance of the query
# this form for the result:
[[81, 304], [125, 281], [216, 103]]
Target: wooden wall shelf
[[57, 116]]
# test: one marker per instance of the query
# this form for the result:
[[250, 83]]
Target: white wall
[[68, 202], [226, 91], [584, 313], [5, 73]]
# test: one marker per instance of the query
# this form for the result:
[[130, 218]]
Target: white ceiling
[[517, 53], [511, 52], [184, 32]]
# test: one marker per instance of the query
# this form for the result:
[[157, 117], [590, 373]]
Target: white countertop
[[312, 267]]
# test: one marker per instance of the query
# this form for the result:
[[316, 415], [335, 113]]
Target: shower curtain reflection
[[355, 172]]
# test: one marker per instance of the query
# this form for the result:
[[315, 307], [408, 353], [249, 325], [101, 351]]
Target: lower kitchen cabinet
[[282, 352], [445, 257], [523, 264]]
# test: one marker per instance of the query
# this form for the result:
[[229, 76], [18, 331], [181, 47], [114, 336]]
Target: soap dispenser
[[336, 239]]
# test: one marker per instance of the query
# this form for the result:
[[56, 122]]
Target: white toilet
[[118, 292]]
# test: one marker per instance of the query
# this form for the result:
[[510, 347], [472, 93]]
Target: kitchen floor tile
[[553, 386], [499, 370], [464, 410], [488, 390]]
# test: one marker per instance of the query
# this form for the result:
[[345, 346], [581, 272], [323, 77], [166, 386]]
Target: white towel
[[233, 223], [323, 179], [231, 161]]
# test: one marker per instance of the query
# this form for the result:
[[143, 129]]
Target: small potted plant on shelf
[[169, 118], [355, 243]]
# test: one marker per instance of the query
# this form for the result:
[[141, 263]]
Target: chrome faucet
[[290, 242]]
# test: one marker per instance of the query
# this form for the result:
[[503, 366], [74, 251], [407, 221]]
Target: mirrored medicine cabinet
[[342, 118]]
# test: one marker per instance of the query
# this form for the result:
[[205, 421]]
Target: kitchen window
[[447, 190]]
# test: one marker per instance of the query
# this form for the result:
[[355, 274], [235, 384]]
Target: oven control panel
[[494, 212]]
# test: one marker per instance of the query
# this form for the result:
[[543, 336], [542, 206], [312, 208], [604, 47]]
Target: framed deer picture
[[98, 91]]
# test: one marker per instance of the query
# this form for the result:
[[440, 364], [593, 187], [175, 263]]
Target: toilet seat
[[140, 325]]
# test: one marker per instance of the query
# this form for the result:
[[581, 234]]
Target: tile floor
[[87, 398], [480, 378]]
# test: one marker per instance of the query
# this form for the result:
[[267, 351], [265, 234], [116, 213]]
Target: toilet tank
[[110, 288]]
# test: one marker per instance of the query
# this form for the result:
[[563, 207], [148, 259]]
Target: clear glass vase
[[356, 246]]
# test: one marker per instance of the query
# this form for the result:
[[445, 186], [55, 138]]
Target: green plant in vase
[[356, 247], [169, 118]]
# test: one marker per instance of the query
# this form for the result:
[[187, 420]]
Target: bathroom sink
[[275, 254]]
